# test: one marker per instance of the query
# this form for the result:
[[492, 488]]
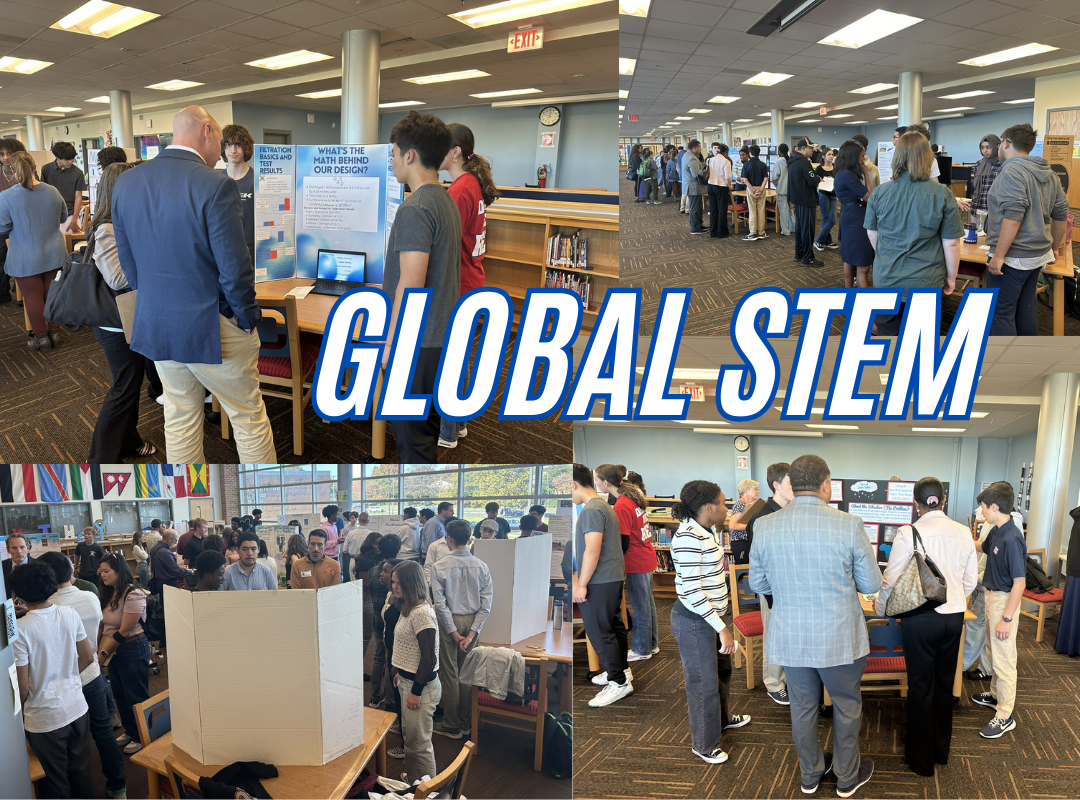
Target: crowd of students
[[437, 242], [908, 229]]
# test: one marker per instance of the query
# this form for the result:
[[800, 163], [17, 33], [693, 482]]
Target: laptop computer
[[339, 271]]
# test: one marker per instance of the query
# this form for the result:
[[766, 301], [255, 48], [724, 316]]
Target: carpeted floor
[[657, 252], [49, 404], [640, 746]]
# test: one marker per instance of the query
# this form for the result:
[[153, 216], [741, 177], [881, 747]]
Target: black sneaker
[[978, 675], [833, 246], [997, 727], [866, 771], [699, 233], [780, 697], [813, 262], [750, 237], [810, 788], [737, 721], [717, 756], [985, 699], [763, 236]]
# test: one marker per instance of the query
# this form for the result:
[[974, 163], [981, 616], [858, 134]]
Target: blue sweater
[[31, 220]]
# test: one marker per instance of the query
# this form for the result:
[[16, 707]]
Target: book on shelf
[[664, 562], [568, 250], [579, 284]]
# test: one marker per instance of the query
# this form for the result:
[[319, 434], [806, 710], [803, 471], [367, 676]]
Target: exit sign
[[633, 117], [823, 110], [532, 39], [697, 393]]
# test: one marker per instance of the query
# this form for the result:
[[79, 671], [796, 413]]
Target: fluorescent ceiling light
[[766, 114], [767, 79], [962, 95], [627, 66], [893, 107], [837, 116], [684, 118], [689, 374], [699, 111], [674, 123], [320, 95], [287, 60], [723, 98], [103, 19], [702, 422], [401, 103], [662, 127], [938, 430], [624, 93], [444, 77], [620, 116], [23, 66], [1015, 102], [622, 108], [744, 120], [812, 104], [63, 109], [634, 8], [172, 86], [873, 88], [832, 427], [506, 93], [103, 99], [892, 117], [515, 10], [979, 414], [958, 108], [1013, 53], [857, 122], [875, 25], [814, 410]]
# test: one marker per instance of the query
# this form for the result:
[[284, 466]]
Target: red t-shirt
[[640, 556], [470, 202]]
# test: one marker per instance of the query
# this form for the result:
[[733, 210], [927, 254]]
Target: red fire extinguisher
[[541, 176]]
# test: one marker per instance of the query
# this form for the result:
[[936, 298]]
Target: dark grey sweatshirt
[[1027, 191]]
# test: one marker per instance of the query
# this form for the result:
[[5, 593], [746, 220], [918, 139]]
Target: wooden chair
[[1044, 600], [885, 664], [183, 782], [286, 360], [152, 718], [529, 717], [747, 625], [37, 772], [452, 777]]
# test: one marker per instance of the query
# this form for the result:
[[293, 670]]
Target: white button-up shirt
[[949, 545]]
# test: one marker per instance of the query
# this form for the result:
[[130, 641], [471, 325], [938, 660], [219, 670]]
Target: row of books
[[580, 284], [568, 250], [664, 563]]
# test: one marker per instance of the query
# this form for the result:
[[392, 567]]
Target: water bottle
[[558, 613]]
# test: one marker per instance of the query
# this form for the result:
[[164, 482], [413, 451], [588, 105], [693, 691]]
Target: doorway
[[276, 137], [201, 507]]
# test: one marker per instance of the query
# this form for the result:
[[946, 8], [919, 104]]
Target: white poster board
[[884, 160], [520, 579], [561, 528]]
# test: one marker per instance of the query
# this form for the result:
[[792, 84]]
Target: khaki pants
[[771, 674], [235, 383], [457, 698], [1003, 654], [757, 211]]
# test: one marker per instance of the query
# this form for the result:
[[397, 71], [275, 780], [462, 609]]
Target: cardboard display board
[[561, 528], [303, 646], [521, 579], [275, 216], [277, 539], [884, 506], [884, 160]]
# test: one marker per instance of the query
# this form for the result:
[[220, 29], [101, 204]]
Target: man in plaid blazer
[[814, 561]]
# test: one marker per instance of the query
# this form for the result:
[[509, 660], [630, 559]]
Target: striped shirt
[[700, 581]]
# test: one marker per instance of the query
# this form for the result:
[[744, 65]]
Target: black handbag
[[920, 588], [80, 296]]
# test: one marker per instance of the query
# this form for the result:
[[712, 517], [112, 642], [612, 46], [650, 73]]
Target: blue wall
[[960, 137], [587, 153], [326, 130]]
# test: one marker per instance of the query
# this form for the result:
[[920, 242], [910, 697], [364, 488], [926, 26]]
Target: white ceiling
[[1010, 386], [691, 51], [210, 40]]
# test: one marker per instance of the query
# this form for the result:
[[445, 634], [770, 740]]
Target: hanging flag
[[75, 475], [5, 483], [153, 480], [142, 482], [53, 481], [117, 479], [23, 483], [93, 472], [173, 480], [199, 480]]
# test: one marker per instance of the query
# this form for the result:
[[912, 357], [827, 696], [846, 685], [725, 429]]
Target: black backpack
[[559, 744], [1036, 578]]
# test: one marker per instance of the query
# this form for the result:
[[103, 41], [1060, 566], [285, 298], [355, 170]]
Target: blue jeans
[[112, 763], [640, 594], [378, 670], [450, 429], [706, 675], [129, 675], [828, 218], [1014, 313], [975, 645]]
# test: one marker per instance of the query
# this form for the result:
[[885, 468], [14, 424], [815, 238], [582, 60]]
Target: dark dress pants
[[804, 232], [931, 647], [418, 439], [601, 613], [116, 434], [1015, 312], [65, 756], [697, 203], [718, 204]]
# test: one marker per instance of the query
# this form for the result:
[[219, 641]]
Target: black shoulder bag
[[80, 296]]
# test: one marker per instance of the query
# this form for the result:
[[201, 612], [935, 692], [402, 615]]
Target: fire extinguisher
[[541, 176]]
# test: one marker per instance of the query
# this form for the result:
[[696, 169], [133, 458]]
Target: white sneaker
[[601, 679], [396, 752], [654, 651], [161, 399], [610, 693], [632, 656], [444, 443], [132, 747], [463, 432], [395, 727], [122, 739]]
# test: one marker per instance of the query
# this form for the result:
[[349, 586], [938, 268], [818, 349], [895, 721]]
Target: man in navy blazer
[[180, 239]]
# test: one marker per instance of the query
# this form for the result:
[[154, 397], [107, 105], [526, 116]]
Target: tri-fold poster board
[[520, 584], [329, 198], [884, 506]]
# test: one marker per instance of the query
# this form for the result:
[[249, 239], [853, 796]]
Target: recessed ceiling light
[[627, 66], [661, 127], [767, 79], [684, 118], [892, 117], [958, 108], [744, 120], [699, 111], [962, 95], [1015, 102], [723, 98], [173, 85], [938, 430], [624, 93], [837, 116], [296, 58], [634, 8], [875, 25], [321, 94], [812, 104], [103, 19], [832, 427], [766, 114], [23, 66], [856, 122], [444, 77], [401, 104], [622, 108], [63, 109], [506, 93], [674, 123], [814, 410], [979, 414], [1013, 53], [103, 99], [515, 10], [873, 88], [893, 107]]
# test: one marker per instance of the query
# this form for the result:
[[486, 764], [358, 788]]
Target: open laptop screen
[[341, 265]]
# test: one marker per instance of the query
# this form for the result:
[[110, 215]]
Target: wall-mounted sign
[[547, 139], [697, 393], [633, 117], [519, 41]]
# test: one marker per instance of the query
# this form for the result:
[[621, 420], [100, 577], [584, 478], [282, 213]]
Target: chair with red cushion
[[1044, 599], [528, 716], [886, 664], [747, 625]]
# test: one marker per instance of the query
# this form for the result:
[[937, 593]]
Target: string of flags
[[57, 483]]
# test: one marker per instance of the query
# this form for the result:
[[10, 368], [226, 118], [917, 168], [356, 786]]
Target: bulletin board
[[884, 506]]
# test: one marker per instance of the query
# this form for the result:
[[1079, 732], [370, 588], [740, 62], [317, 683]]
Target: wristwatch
[[1006, 619]]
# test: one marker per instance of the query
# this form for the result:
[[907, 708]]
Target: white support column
[[777, 126], [35, 134], [120, 118], [726, 128], [360, 86], [910, 100]]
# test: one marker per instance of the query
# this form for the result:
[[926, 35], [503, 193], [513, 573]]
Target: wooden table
[[558, 647], [332, 780], [972, 254], [770, 194], [312, 313]]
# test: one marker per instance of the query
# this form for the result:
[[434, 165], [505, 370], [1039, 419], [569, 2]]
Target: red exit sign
[[633, 117], [519, 41]]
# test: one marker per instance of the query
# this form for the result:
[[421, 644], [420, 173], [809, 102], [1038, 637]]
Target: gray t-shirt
[[428, 222], [597, 515]]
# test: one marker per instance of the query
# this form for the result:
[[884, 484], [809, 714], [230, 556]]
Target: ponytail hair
[[615, 474], [478, 166], [930, 493], [25, 168], [693, 497]]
